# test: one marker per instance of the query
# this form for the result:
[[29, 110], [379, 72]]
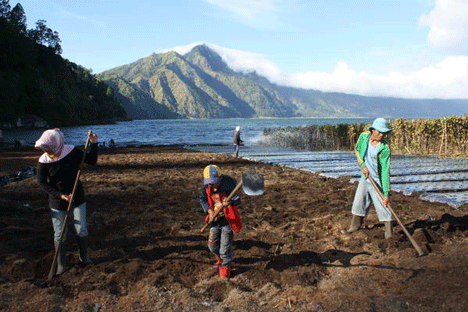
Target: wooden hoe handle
[[53, 268], [216, 213], [413, 242]]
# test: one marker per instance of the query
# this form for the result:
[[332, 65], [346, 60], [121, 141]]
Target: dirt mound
[[145, 219]]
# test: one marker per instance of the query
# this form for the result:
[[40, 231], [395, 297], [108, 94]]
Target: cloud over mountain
[[447, 79]]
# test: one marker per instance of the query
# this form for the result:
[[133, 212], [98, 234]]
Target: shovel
[[253, 185]]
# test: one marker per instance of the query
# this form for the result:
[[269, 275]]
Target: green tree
[[17, 17], [4, 8], [45, 36], [110, 92]]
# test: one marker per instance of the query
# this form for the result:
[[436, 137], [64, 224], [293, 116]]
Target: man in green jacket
[[373, 155]]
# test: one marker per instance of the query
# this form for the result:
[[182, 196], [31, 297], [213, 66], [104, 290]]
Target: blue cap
[[381, 125]]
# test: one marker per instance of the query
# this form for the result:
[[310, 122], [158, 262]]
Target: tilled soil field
[[145, 218]]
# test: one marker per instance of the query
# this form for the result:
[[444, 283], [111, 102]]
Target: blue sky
[[404, 48]]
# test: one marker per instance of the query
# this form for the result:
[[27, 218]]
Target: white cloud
[[181, 49], [448, 23], [84, 18], [240, 61], [447, 79], [258, 13]]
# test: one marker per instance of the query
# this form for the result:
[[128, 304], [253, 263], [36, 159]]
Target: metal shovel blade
[[253, 184]]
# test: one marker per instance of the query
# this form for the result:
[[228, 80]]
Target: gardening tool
[[53, 268], [413, 242], [253, 185], [377, 188]]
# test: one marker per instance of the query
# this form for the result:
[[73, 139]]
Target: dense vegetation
[[446, 136], [36, 80]]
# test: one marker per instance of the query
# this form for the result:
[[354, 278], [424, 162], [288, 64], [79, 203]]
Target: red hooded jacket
[[230, 212]]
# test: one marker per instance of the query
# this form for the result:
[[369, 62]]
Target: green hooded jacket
[[383, 159]]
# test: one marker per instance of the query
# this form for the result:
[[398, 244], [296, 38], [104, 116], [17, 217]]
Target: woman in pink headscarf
[[56, 172]]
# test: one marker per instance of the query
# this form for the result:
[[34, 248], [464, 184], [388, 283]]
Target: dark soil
[[145, 218]]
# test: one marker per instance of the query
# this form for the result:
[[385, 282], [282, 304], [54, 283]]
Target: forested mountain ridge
[[36, 80], [199, 84]]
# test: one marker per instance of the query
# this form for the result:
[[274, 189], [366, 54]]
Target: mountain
[[199, 84], [137, 103]]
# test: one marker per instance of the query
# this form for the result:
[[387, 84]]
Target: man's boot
[[356, 223], [83, 248], [60, 258], [388, 229]]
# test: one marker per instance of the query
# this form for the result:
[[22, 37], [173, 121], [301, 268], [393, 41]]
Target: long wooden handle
[[216, 213], [53, 268], [413, 242]]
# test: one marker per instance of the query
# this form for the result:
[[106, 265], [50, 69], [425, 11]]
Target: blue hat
[[381, 125], [211, 174]]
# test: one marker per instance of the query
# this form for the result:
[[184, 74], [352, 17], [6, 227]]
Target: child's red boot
[[224, 272], [218, 261]]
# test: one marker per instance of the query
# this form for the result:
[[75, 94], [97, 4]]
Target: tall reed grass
[[445, 137]]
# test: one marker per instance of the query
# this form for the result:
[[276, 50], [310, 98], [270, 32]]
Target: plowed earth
[[144, 222]]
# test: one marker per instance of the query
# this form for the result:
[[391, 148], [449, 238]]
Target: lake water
[[438, 180], [177, 131]]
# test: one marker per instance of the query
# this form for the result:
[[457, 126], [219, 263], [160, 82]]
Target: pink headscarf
[[51, 141]]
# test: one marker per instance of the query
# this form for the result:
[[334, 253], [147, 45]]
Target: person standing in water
[[236, 140]]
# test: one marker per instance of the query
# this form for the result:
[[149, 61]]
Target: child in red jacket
[[216, 189]]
